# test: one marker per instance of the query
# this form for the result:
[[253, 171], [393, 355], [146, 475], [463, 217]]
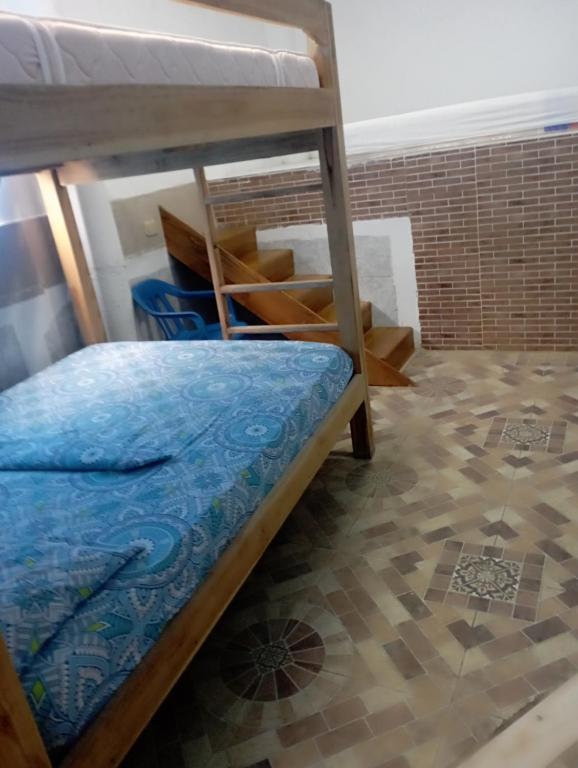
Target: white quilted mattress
[[48, 51]]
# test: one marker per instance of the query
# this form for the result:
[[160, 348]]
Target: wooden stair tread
[[231, 233], [266, 252], [274, 264], [238, 240], [308, 277], [225, 232], [330, 314], [314, 298], [396, 345]]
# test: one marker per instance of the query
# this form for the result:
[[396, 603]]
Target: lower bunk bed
[[139, 485]]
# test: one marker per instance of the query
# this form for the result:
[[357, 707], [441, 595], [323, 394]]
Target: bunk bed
[[73, 127]]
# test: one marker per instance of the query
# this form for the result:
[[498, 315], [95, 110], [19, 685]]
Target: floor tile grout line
[[326, 541]]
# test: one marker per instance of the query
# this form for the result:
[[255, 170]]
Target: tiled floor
[[413, 605]]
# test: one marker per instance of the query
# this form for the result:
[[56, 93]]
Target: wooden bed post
[[342, 251], [21, 745], [72, 257], [333, 162]]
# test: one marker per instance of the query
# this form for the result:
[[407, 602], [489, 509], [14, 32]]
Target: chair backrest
[[151, 296]]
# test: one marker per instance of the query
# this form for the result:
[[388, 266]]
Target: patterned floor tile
[[527, 434], [488, 578], [412, 606]]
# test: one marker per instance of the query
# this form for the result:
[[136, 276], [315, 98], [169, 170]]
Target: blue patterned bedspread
[[178, 443]]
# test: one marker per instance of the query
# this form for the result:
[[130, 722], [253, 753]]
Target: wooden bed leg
[[342, 250], [362, 432], [21, 745], [72, 257], [333, 162]]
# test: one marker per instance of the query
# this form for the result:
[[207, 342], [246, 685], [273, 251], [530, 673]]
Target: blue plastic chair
[[152, 297]]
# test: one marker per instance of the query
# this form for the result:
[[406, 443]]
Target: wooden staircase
[[387, 349]]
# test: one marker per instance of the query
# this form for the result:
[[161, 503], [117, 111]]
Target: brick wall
[[495, 236]]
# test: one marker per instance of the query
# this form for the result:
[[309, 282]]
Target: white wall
[[19, 199], [163, 16], [399, 56], [177, 18], [33, 7]]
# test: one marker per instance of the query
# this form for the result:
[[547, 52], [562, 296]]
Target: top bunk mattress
[[53, 52]]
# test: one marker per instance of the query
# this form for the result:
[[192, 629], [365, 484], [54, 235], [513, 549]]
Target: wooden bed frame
[[74, 135]]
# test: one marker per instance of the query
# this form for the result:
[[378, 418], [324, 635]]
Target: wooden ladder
[[344, 282], [222, 290]]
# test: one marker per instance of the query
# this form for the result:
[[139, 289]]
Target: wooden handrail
[[286, 285], [265, 330], [307, 15]]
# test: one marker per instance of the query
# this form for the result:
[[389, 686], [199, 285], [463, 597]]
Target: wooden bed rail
[[179, 158], [105, 744], [116, 728], [20, 741], [307, 15], [49, 126]]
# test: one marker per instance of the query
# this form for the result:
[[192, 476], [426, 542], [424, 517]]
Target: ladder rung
[[292, 285], [264, 329], [263, 194]]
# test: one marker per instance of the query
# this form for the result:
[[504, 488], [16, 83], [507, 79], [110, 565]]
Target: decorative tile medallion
[[273, 664], [381, 479], [272, 660], [486, 578], [527, 435]]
